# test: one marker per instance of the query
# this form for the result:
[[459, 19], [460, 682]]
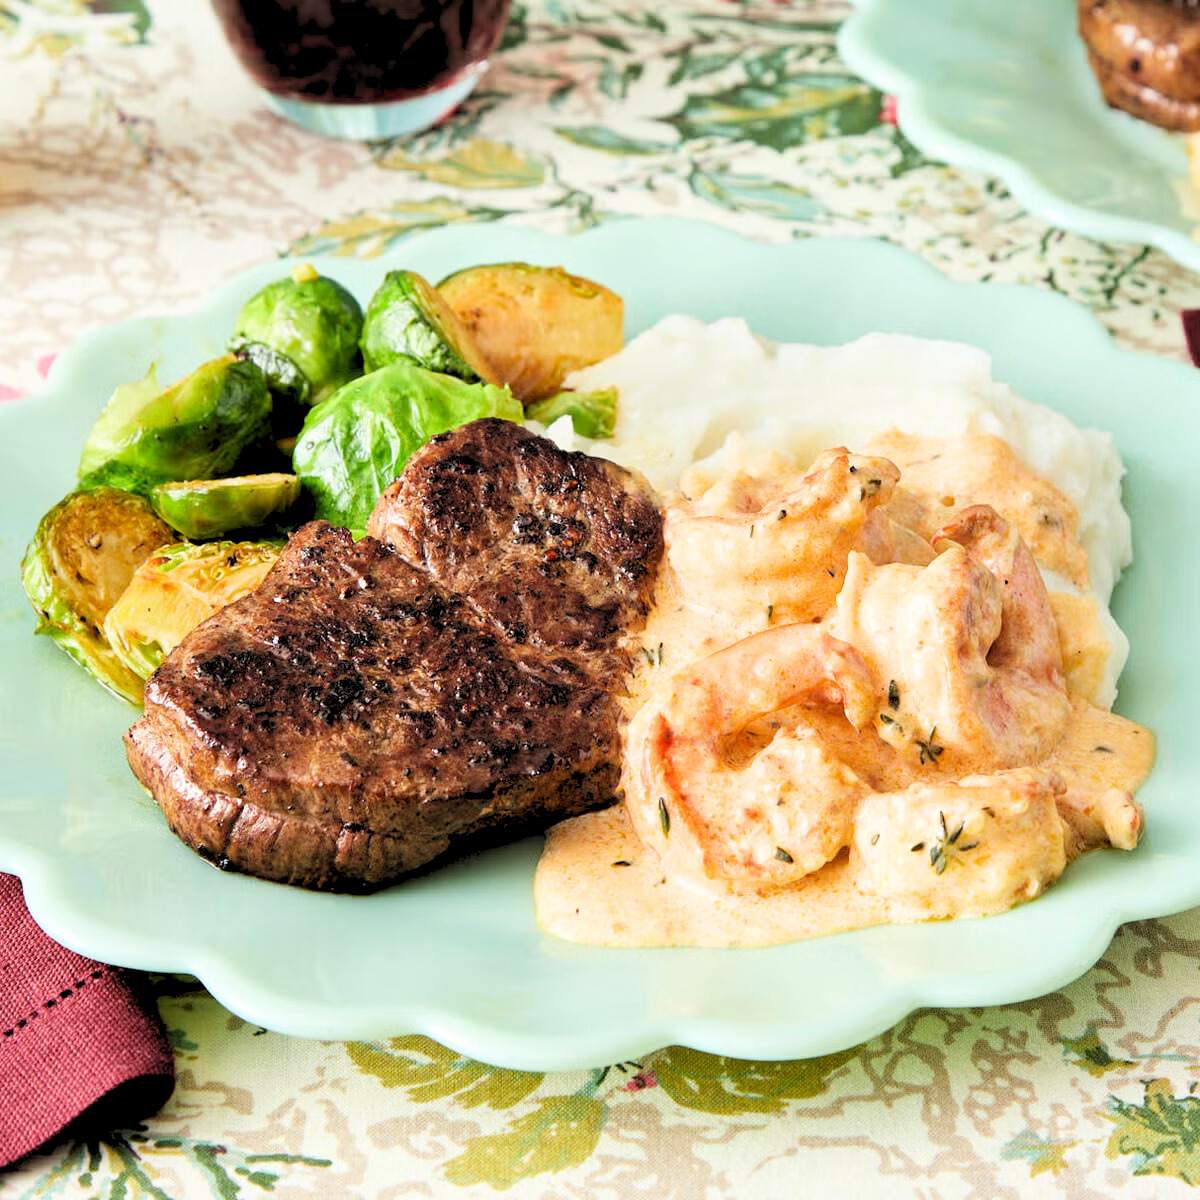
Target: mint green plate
[[1005, 88], [457, 955]]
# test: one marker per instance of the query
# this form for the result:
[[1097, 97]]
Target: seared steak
[[556, 548], [1146, 56], [356, 718]]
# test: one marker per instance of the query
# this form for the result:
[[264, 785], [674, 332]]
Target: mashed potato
[[701, 397]]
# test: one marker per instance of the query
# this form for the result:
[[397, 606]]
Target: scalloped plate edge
[[917, 115], [243, 994]]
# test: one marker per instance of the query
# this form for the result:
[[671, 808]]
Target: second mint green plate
[[457, 955], [1005, 88]]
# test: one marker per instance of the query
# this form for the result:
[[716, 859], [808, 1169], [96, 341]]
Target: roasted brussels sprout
[[175, 589], [207, 508], [408, 319], [535, 325], [303, 332], [288, 385], [593, 414], [81, 558], [356, 442], [195, 429]]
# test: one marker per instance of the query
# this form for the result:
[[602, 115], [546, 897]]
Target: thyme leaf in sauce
[[1103, 750], [948, 846], [664, 817], [893, 695], [928, 750], [782, 513], [770, 611], [783, 855], [886, 719], [622, 862], [653, 657]]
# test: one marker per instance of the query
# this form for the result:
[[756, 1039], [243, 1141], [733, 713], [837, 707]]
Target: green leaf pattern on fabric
[[1090, 1053], [733, 1085], [1162, 1133], [715, 110], [1043, 1154], [428, 1071], [560, 1132]]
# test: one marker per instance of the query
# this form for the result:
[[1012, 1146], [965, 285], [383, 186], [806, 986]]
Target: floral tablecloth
[[138, 168]]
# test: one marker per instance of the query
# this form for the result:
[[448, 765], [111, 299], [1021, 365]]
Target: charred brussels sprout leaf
[[535, 325], [408, 319], [303, 332], [195, 429], [175, 589], [207, 508], [356, 442], [593, 414], [81, 559], [287, 383]]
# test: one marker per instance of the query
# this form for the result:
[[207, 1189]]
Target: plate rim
[[916, 114], [236, 987]]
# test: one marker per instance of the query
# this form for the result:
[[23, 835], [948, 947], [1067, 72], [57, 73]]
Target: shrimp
[[1028, 639], [749, 543], [780, 815], [939, 472], [967, 645], [965, 848], [1099, 817]]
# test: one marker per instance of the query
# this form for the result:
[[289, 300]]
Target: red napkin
[[79, 1041]]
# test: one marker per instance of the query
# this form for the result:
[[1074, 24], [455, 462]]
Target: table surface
[[139, 168]]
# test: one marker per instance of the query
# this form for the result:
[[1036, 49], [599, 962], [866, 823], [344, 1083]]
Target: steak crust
[[356, 718], [558, 549]]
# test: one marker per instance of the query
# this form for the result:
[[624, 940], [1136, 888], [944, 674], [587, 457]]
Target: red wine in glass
[[364, 68]]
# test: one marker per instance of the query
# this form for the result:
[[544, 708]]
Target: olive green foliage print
[[551, 1132], [733, 1085], [715, 110], [1042, 1154], [1162, 1133], [1090, 1053], [428, 1071]]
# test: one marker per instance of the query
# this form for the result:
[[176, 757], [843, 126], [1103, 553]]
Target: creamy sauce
[[582, 895], [994, 839], [597, 884]]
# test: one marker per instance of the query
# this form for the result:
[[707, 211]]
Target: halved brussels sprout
[[303, 332], [288, 384], [356, 442], [195, 429], [408, 319], [535, 325], [593, 414], [207, 508], [82, 557], [175, 589]]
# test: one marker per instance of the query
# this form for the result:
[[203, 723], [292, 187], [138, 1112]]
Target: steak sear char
[[361, 716], [557, 549]]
